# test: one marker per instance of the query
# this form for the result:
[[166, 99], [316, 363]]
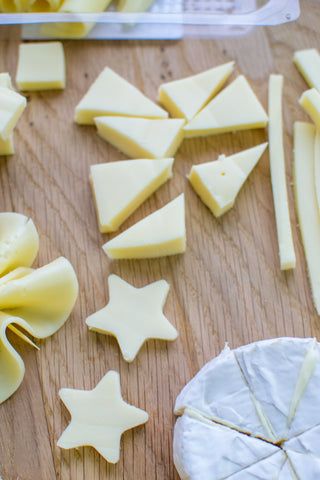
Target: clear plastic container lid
[[167, 19]]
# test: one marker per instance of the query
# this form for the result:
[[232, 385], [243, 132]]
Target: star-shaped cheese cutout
[[99, 417], [134, 315]]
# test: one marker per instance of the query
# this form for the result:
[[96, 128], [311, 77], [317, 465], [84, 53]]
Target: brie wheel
[[252, 413]]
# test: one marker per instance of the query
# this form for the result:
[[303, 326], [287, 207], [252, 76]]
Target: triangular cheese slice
[[186, 97], [121, 187], [218, 183], [142, 138], [304, 466], [267, 469], [235, 108], [111, 94], [160, 234]]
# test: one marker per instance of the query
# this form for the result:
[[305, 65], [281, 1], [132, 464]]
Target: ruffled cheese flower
[[39, 301]]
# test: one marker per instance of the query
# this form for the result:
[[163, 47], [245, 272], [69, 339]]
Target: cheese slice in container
[[229, 403], [111, 94], [41, 66], [120, 188], [218, 183], [205, 450], [310, 102], [278, 174], [186, 97], [160, 234], [306, 202], [12, 105], [308, 64], [235, 108], [140, 137]]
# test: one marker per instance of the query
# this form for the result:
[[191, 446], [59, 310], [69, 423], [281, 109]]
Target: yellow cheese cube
[[160, 234], [310, 102], [121, 187], [308, 64], [41, 66], [235, 108], [12, 105], [186, 97], [142, 138], [111, 94], [218, 183]]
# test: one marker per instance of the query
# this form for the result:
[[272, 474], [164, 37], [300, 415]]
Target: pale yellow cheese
[[120, 188], [218, 183], [134, 315], [44, 5], [19, 242], [99, 417], [14, 6], [317, 166], [310, 102], [5, 80], [12, 105], [134, 5], [111, 94], [186, 97], [41, 66], [7, 146], [278, 174], [160, 234], [142, 138], [306, 203], [76, 29], [308, 64], [235, 108]]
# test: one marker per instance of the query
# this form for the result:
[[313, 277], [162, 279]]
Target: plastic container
[[169, 19]]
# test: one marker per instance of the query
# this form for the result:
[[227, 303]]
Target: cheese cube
[[310, 102], [121, 187], [12, 105], [308, 64], [142, 138], [41, 66]]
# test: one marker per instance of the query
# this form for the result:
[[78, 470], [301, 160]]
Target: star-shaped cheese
[[99, 417], [186, 97], [111, 94], [134, 315], [235, 108], [141, 137]]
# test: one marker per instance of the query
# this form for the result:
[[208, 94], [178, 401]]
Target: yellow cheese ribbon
[[38, 301]]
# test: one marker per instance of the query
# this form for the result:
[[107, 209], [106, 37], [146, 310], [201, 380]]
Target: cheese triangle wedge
[[142, 138], [111, 94], [235, 108], [160, 234], [218, 183], [121, 187], [186, 97]]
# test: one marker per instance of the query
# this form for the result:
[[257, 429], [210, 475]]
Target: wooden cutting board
[[227, 287]]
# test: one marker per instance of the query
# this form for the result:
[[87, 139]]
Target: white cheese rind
[[304, 466], [226, 402], [267, 469], [308, 64], [306, 443], [205, 450], [278, 174], [306, 203]]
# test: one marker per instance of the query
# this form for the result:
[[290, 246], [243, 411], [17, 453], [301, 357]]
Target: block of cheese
[[160, 234], [5, 80], [310, 102], [119, 188], [317, 166], [19, 242], [235, 108], [75, 29], [278, 174], [99, 417], [7, 146], [186, 97], [218, 183], [12, 105], [308, 64], [134, 5], [306, 202], [142, 138], [111, 94], [41, 66]]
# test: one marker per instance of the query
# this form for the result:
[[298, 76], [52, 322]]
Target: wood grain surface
[[227, 287]]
